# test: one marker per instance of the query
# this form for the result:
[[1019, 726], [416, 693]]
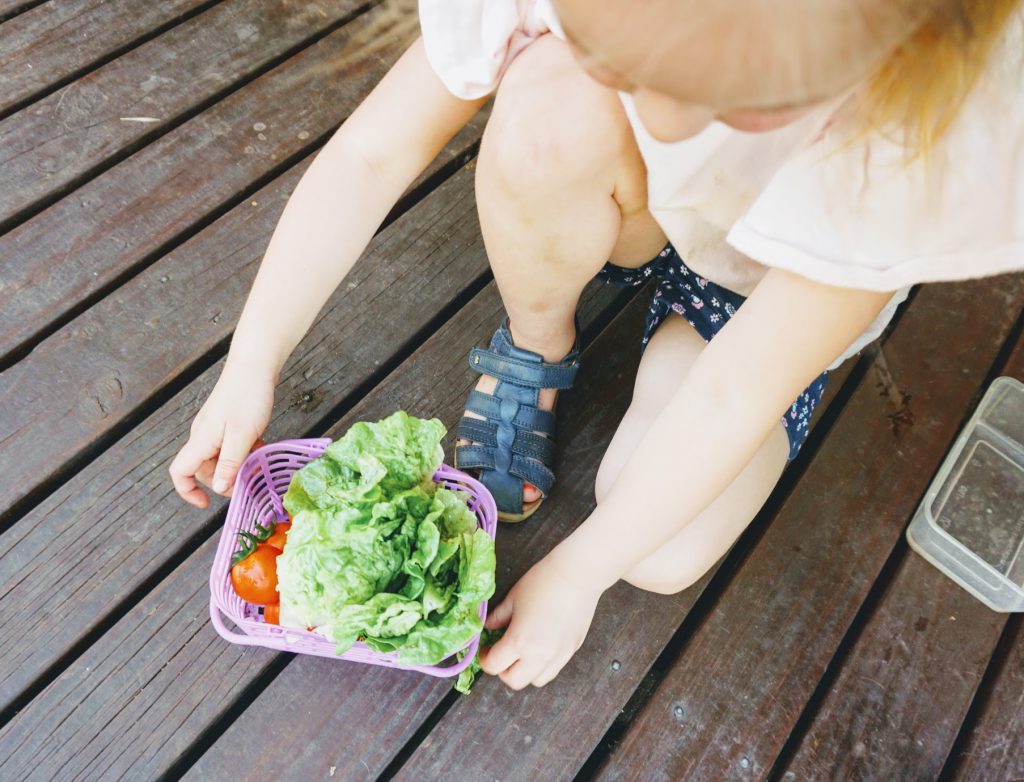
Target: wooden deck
[[146, 152]]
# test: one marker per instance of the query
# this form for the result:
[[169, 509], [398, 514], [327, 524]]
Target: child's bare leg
[[561, 189], [691, 553]]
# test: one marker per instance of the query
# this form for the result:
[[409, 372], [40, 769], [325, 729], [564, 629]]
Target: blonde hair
[[920, 87]]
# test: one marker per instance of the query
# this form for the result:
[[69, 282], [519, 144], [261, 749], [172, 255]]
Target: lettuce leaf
[[380, 553]]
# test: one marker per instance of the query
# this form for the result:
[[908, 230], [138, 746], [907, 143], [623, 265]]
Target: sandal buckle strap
[[471, 457], [528, 417], [523, 372], [526, 444]]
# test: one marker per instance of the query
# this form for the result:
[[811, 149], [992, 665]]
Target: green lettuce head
[[380, 553]]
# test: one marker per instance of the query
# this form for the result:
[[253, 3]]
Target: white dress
[[801, 197]]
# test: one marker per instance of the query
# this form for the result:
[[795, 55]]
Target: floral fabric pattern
[[707, 307]]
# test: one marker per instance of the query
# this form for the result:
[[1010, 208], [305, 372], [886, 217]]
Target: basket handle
[[225, 633]]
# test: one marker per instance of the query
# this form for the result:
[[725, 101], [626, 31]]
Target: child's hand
[[223, 433], [548, 616]]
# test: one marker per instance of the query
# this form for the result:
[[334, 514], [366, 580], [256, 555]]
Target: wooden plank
[[434, 249], [549, 733], [731, 699], [124, 218], [588, 416], [137, 698], [900, 698], [995, 742], [9, 8], [903, 692], [77, 129], [107, 374], [56, 39]]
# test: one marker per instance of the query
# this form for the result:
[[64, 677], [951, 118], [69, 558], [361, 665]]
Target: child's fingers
[[204, 474], [496, 659], [500, 615], [206, 470], [232, 453], [184, 467], [544, 678], [521, 674]]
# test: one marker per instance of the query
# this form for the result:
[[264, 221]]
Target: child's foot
[[546, 401], [507, 430]]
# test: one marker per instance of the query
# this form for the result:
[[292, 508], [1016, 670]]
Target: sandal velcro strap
[[523, 372], [471, 457], [513, 442], [526, 443], [527, 417]]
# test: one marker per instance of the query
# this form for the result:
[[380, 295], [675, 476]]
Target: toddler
[[783, 171]]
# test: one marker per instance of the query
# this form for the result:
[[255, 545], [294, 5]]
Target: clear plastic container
[[970, 524]]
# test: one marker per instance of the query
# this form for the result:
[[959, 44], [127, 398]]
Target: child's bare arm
[[341, 200], [785, 334], [330, 218]]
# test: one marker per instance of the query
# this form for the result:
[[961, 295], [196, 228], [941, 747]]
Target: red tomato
[[255, 577], [278, 539], [272, 614]]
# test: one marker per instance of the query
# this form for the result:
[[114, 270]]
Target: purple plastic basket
[[259, 486]]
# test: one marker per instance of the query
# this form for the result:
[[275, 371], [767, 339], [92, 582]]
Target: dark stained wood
[[178, 309], [903, 692], [141, 715], [104, 692], [549, 733], [338, 734], [995, 743], [731, 699], [901, 696], [435, 249], [53, 40], [10, 8], [59, 138], [155, 198]]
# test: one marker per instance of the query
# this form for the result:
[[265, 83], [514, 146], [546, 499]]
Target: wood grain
[[55, 39], [72, 551], [105, 365], [902, 694], [149, 203], [138, 697], [995, 742], [904, 690], [59, 139], [732, 697]]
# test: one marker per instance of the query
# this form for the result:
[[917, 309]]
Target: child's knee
[[668, 578], [549, 125], [601, 485]]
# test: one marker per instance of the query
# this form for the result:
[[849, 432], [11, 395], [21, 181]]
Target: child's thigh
[[702, 542], [691, 553], [665, 364]]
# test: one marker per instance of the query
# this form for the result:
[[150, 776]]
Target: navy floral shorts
[[707, 307]]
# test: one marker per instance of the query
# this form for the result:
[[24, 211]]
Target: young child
[[807, 160]]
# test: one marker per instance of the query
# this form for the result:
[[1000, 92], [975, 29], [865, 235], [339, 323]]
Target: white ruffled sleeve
[[470, 43], [859, 216]]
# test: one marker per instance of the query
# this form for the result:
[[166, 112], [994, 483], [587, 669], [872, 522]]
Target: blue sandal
[[514, 443]]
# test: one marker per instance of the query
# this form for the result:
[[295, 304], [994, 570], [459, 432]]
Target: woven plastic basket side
[[259, 486]]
